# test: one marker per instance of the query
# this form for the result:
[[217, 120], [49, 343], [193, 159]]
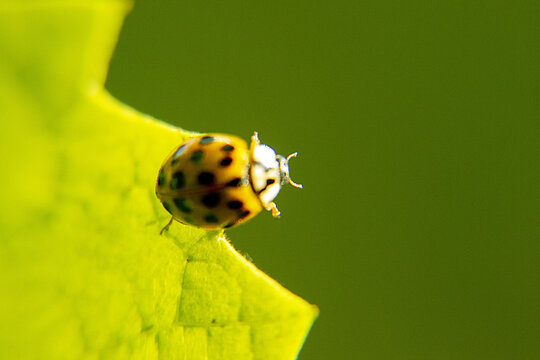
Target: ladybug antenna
[[284, 165]]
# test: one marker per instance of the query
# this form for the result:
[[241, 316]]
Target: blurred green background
[[417, 124]]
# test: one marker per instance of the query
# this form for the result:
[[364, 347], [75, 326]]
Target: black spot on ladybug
[[268, 183], [243, 214], [167, 206], [161, 178], [226, 162], [235, 204], [206, 140], [211, 200], [206, 178], [178, 180], [181, 205], [197, 156], [229, 225], [234, 182], [211, 218], [227, 148]]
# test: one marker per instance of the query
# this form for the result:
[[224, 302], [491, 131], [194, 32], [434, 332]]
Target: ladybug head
[[284, 170], [268, 172]]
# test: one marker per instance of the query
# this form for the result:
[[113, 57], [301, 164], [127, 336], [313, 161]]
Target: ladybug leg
[[254, 142], [166, 227], [273, 208]]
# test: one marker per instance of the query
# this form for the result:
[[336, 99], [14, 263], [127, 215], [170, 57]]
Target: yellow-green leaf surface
[[84, 272]]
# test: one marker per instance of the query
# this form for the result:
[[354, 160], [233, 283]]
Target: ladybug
[[216, 181]]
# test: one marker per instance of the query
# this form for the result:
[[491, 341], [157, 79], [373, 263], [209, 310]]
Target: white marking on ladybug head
[[265, 173], [269, 172]]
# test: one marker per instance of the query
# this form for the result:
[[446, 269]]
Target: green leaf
[[84, 271]]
